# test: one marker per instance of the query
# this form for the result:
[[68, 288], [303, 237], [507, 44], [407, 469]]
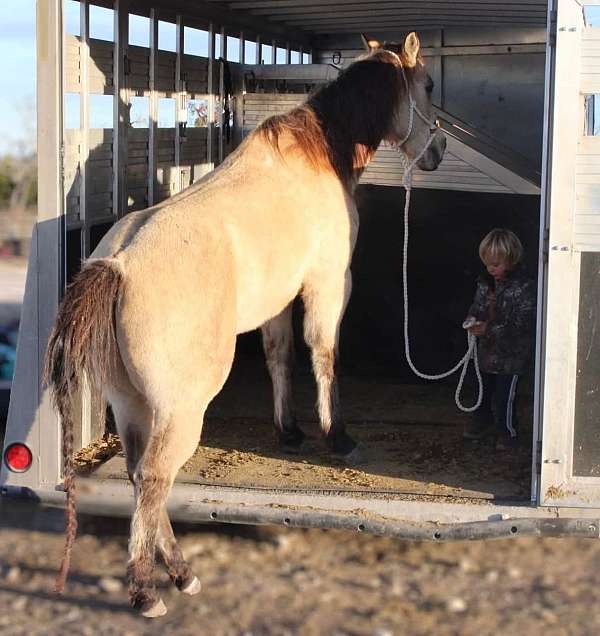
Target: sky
[[17, 73]]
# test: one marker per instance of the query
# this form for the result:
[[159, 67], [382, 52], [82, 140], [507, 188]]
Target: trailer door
[[570, 403]]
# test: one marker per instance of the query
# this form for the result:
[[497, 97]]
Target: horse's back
[[239, 241]]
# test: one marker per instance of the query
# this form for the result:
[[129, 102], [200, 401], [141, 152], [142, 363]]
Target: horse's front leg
[[278, 344], [325, 299]]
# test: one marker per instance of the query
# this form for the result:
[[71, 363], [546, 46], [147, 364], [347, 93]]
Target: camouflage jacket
[[509, 309]]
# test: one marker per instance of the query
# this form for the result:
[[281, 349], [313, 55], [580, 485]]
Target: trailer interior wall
[[487, 61]]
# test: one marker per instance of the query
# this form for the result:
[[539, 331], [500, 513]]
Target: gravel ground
[[265, 581]]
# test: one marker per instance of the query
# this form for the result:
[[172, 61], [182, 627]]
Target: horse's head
[[412, 131]]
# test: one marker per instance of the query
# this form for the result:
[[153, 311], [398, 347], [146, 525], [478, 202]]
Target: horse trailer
[[138, 99]]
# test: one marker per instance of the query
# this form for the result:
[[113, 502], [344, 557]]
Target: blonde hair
[[503, 245]]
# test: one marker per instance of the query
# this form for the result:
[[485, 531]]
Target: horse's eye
[[429, 85]]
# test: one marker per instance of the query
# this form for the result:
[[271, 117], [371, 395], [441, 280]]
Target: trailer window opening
[[266, 54], [72, 17], [139, 30], [249, 52], [167, 36], [197, 113], [139, 112], [591, 15], [166, 112], [195, 41], [281, 57], [592, 116], [233, 49], [102, 23], [72, 111], [101, 111]]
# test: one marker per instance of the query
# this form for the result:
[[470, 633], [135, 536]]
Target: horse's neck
[[350, 153]]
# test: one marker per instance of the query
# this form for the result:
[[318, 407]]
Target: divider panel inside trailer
[[467, 164]]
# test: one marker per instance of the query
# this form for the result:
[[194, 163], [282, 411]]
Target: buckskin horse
[[152, 318]]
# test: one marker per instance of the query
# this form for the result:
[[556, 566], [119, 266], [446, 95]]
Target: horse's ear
[[411, 48], [369, 43]]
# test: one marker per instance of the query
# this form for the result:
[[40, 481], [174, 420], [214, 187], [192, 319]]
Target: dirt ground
[[264, 581]]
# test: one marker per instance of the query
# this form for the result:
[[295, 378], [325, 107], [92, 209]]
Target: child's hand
[[478, 329]]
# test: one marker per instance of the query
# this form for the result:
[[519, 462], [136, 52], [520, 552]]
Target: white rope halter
[[407, 183]]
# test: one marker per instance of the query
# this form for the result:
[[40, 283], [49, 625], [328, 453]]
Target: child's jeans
[[498, 404]]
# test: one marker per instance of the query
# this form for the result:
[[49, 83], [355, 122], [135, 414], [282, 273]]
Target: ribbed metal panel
[[351, 16], [586, 222]]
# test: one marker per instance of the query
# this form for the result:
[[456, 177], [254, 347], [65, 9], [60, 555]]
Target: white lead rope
[[471, 339]]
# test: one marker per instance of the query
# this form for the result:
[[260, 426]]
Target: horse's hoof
[[292, 443], [193, 587], [356, 457], [156, 610]]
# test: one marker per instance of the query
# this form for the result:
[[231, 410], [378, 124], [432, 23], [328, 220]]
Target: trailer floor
[[411, 436]]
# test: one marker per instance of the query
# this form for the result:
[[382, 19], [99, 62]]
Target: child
[[504, 308]]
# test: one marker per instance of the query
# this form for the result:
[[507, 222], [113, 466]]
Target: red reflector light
[[18, 458]]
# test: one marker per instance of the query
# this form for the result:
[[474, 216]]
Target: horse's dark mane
[[342, 124]]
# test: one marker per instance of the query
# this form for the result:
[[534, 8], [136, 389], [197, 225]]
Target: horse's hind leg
[[134, 420], [173, 440], [278, 344], [325, 298], [177, 567]]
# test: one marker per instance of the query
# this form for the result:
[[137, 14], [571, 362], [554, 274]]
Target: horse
[[151, 319]]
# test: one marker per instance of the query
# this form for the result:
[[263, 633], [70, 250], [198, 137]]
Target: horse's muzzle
[[434, 155]]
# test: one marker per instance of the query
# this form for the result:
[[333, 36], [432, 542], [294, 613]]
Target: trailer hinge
[[553, 17], [546, 245], [61, 154]]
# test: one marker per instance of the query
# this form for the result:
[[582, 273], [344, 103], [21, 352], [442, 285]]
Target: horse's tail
[[83, 342]]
